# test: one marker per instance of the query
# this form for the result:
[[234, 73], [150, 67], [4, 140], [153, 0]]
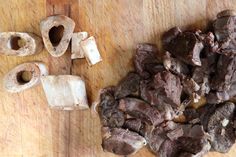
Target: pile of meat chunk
[[180, 104]]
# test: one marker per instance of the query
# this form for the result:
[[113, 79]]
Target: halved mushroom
[[121, 141], [221, 127], [56, 33], [66, 92], [24, 76], [76, 49], [90, 50], [20, 44]]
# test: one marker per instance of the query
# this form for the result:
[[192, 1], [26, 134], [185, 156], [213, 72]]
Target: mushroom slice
[[24, 76], [121, 141], [66, 92], [140, 109], [20, 44], [76, 49], [90, 50], [57, 32]]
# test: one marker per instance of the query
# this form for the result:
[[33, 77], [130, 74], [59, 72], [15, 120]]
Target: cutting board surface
[[28, 128]]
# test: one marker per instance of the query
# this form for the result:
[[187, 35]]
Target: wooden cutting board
[[28, 128]]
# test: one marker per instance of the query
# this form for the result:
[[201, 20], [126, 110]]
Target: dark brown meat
[[134, 124], [128, 85], [225, 74], [109, 114], [121, 142], [174, 65], [185, 46], [165, 88], [224, 29], [140, 109], [222, 96], [170, 35], [146, 62]]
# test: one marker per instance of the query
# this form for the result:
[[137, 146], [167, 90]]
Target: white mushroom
[[66, 92], [76, 49], [20, 44], [56, 33], [90, 50], [24, 76]]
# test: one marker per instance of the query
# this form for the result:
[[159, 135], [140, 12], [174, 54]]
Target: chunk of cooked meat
[[108, 112], [146, 62], [185, 46], [170, 35], [140, 109], [134, 124], [165, 88], [224, 29], [174, 65], [225, 74], [128, 85], [121, 142]]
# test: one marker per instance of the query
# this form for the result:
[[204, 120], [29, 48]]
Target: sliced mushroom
[[24, 76], [140, 109], [76, 49], [20, 44], [121, 141], [56, 32], [223, 135], [90, 50], [66, 92]]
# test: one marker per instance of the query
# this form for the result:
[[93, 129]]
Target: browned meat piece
[[109, 114], [174, 65], [128, 85], [167, 112], [190, 86], [134, 124], [165, 88], [121, 141], [175, 134], [193, 145], [201, 75], [140, 109], [219, 97], [155, 137], [193, 142], [224, 29], [170, 35], [225, 74], [169, 149], [210, 45], [185, 46], [146, 62]]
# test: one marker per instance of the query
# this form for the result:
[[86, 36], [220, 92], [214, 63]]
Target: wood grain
[[28, 128]]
